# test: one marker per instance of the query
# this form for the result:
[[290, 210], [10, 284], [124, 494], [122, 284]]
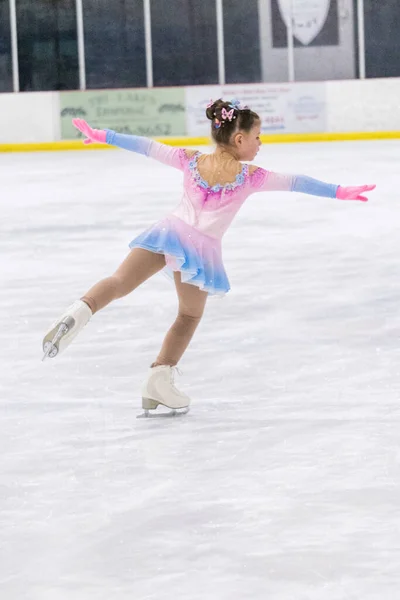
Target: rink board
[[204, 141]]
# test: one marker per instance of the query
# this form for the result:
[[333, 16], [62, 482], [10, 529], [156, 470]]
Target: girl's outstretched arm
[[268, 181], [135, 143]]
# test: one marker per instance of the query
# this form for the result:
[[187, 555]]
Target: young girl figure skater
[[187, 242]]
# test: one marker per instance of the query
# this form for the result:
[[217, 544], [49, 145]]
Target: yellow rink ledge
[[200, 141]]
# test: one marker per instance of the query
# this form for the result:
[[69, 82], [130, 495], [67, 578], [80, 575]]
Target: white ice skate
[[159, 389], [66, 328]]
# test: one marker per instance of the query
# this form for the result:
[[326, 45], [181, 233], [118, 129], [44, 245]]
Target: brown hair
[[242, 119]]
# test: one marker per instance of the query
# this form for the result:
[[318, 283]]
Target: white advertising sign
[[283, 108]]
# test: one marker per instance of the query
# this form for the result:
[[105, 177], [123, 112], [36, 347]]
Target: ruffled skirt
[[196, 255]]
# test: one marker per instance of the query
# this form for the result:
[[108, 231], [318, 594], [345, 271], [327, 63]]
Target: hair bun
[[211, 109], [219, 109]]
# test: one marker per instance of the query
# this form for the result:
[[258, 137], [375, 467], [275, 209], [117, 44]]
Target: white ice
[[282, 483]]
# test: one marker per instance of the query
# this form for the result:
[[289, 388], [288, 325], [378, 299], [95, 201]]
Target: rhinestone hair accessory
[[227, 115]]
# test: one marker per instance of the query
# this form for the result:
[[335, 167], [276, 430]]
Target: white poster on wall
[[283, 108]]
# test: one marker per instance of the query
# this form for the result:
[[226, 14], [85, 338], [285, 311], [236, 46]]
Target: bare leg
[[138, 266], [192, 302]]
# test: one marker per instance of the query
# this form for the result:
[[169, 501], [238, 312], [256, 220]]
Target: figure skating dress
[[190, 236]]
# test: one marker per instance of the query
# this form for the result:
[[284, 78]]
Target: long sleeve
[[168, 155], [268, 181]]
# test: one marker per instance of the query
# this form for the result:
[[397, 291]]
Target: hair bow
[[209, 105], [235, 104], [225, 115]]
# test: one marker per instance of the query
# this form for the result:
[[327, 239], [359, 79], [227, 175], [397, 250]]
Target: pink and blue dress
[[190, 236]]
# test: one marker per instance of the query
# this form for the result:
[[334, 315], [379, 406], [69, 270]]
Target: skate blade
[[50, 351], [51, 347], [173, 413]]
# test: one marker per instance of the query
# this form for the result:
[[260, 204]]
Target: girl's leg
[[138, 266], [192, 301]]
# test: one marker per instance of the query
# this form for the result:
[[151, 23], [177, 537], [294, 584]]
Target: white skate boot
[[159, 389], [63, 331]]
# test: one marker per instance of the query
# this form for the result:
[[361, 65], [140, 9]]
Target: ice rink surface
[[282, 483]]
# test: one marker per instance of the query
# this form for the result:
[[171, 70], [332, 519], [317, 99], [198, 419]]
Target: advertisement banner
[[307, 108], [283, 108], [148, 112]]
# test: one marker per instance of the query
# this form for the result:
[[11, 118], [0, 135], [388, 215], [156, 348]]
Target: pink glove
[[92, 135], [354, 193]]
